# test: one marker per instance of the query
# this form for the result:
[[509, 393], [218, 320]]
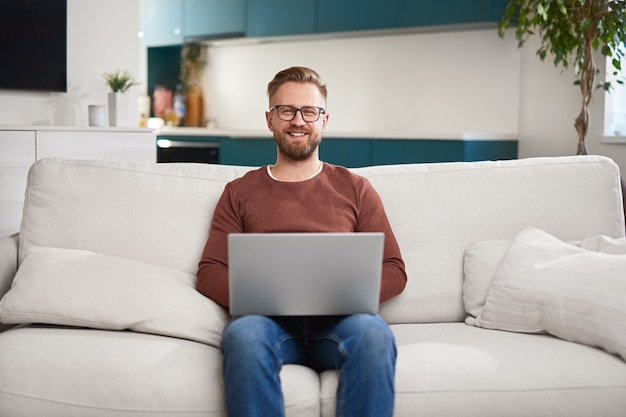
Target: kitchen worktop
[[74, 128], [332, 134]]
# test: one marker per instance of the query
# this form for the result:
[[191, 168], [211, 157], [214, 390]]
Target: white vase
[[119, 110]]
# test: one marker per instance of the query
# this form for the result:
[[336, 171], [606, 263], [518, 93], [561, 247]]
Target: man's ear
[[268, 120]]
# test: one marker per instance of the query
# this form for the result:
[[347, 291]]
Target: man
[[300, 193]]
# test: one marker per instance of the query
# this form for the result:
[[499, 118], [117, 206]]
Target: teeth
[[297, 134]]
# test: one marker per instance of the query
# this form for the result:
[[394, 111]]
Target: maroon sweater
[[335, 200]]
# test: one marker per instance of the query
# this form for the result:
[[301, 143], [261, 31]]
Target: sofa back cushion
[[161, 213], [154, 213], [437, 210]]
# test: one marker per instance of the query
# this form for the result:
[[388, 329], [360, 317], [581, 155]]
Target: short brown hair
[[296, 74]]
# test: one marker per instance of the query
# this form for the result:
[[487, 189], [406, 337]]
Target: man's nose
[[299, 119]]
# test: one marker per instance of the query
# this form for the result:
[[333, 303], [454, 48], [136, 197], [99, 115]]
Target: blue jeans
[[361, 346]]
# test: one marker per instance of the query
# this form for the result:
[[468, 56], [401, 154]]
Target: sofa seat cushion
[[455, 370], [86, 289], [69, 372]]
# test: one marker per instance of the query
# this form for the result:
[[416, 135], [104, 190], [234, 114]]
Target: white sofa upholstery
[[107, 252]]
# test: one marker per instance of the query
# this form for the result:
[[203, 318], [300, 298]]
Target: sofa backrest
[[155, 213], [437, 210], [161, 213]]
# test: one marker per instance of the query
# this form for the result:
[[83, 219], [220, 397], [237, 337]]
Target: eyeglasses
[[288, 113]]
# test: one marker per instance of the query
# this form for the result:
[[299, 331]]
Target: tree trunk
[[587, 80]]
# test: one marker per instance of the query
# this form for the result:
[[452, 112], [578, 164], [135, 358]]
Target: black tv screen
[[33, 45]]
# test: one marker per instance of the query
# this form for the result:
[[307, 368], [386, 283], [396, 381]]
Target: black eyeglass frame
[[296, 110]]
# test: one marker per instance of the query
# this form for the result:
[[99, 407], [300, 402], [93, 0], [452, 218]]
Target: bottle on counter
[[179, 105]]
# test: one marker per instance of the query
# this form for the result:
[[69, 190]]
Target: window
[[615, 104]]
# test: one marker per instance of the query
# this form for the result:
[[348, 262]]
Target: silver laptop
[[304, 274]]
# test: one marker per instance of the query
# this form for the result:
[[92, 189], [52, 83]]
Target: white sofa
[[105, 264]]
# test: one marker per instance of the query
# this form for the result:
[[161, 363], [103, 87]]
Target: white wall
[[429, 83], [550, 103], [102, 36], [443, 83]]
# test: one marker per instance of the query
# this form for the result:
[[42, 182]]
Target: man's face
[[297, 139]]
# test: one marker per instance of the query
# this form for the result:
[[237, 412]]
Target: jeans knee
[[243, 332], [373, 336]]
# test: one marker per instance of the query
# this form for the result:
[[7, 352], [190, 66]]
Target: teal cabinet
[[247, 152], [348, 152], [449, 12], [281, 17], [481, 150], [170, 22], [162, 22], [213, 18], [401, 151], [346, 15], [351, 153]]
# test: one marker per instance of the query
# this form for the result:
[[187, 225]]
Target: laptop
[[304, 274]]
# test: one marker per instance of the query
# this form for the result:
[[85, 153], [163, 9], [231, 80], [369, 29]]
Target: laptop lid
[[301, 274]]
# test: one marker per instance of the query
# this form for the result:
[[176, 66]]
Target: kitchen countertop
[[75, 128], [265, 134], [261, 134]]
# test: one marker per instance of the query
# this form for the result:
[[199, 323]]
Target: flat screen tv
[[33, 45]]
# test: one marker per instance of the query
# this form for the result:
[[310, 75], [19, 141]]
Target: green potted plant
[[571, 32], [119, 82]]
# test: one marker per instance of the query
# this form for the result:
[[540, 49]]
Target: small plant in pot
[[119, 82]]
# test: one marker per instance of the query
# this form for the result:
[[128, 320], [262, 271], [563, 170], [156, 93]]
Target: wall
[[550, 103], [102, 36], [427, 84]]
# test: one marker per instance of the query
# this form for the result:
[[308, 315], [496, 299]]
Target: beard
[[297, 150]]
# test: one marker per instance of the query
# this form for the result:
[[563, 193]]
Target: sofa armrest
[[8, 265]]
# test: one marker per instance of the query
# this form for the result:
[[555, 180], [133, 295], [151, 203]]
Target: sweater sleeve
[[372, 218], [212, 279]]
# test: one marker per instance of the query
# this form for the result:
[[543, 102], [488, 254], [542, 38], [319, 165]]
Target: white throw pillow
[[80, 288], [546, 285], [482, 258], [480, 263]]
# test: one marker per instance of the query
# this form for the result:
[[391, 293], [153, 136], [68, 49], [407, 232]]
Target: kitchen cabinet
[[448, 12], [347, 15], [401, 151], [281, 17], [247, 151], [213, 18], [351, 152], [18, 154], [22, 146], [127, 146], [163, 22], [171, 22]]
